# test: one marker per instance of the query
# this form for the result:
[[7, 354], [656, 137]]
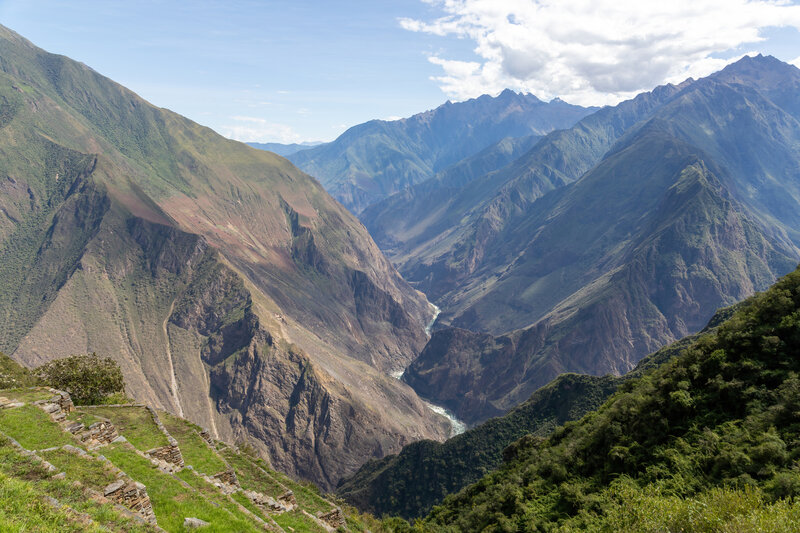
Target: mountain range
[[373, 160], [605, 241], [560, 244], [284, 149], [230, 287]]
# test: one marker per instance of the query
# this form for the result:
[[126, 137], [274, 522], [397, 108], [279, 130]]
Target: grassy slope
[[135, 422], [715, 425], [174, 497]]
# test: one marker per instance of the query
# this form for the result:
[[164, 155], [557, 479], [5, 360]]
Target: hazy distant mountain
[[229, 285], [608, 240], [372, 160], [284, 149]]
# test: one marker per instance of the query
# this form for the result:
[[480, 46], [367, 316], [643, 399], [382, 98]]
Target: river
[[457, 427], [436, 312]]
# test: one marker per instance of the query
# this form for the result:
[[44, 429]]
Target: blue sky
[[306, 70]]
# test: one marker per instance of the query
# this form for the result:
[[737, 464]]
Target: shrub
[[89, 379]]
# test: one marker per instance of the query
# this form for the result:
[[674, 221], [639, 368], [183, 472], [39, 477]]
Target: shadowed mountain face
[[608, 240], [373, 160], [230, 286]]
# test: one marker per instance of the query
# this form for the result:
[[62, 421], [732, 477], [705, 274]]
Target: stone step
[[50, 407]]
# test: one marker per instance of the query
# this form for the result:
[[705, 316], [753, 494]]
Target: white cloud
[[255, 129], [796, 62], [593, 51]]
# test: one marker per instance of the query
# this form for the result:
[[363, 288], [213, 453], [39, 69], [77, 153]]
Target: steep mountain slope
[[400, 219], [424, 473], [420, 476], [691, 209], [230, 287], [372, 160], [703, 442], [442, 249]]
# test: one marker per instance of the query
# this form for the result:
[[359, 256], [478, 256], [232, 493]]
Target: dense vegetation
[[89, 379], [12, 374], [410, 483], [706, 441]]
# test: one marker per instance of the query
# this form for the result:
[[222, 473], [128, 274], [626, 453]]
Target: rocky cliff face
[[230, 287]]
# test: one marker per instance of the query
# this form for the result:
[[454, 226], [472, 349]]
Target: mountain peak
[[760, 71]]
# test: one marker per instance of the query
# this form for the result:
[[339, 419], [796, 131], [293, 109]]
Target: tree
[[87, 378]]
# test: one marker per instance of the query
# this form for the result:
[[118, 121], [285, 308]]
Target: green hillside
[[60, 465], [704, 442], [424, 473]]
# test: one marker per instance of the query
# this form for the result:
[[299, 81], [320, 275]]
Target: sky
[[301, 70]]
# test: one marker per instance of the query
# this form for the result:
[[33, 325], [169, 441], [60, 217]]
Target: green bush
[[89, 379]]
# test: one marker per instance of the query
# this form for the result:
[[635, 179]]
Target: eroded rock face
[[454, 370], [277, 396]]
